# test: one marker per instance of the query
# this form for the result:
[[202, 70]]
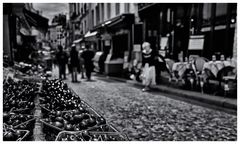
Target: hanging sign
[[196, 42]]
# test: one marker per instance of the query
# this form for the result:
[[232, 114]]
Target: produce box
[[11, 134], [29, 78], [90, 136], [23, 111], [28, 125], [16, 119], [104, 128], [23, 136], [50, 131]]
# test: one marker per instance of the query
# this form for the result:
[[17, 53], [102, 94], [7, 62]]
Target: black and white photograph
[[136, 71]]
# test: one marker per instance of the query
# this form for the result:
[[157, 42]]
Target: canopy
[[90, 34], [77, 41]]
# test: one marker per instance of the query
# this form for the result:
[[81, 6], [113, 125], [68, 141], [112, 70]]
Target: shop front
[[115, 41], [166, 27], [177, 23]]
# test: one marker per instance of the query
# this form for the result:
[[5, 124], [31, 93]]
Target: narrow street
[[185, 55], [147, 116]]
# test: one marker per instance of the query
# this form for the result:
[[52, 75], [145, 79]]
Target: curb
[[204, 98]]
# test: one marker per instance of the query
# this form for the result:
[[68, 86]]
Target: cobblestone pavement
[[146, 116]]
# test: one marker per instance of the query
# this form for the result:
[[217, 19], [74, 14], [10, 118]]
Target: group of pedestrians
[[148, 72], [77, 61]]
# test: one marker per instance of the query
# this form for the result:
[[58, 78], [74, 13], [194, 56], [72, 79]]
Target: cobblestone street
[[146, 116], [120, 71]]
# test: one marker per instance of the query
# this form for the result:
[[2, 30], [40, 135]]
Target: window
[[127, 7], [109, 10], [74, 7], [221, 9], [207, 11], [85, 26], [81, 10], [92, 18], [85, 7], [102, 7], [97, 15], [77, 8], [117, 8]]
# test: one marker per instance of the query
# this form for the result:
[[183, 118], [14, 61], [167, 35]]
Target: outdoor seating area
[[217, 77]]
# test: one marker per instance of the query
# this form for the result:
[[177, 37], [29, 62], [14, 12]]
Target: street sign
[[196, 42]]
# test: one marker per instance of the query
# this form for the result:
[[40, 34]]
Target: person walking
[[74, 61], [62, 59], [148, 63], [81, 65], [88, 55]]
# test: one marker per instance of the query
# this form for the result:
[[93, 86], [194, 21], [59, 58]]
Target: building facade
[[23, 29], [178, 23], [106, 27]]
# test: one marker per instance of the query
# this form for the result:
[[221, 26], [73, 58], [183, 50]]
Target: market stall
[[50, 106]]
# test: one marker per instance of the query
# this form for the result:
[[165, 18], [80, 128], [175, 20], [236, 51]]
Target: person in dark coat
[[74, 60], [88, 55], [62, 61]]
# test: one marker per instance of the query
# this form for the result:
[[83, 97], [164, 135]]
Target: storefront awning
[[35, 19], [77, 41], [25, 32], [90, 34], [121, 21]]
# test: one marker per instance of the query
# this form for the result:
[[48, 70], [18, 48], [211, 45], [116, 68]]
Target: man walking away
[[74, 63], [62, 61], [88, 55]]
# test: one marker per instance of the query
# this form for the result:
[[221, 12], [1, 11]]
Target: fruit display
[[18, 95], [14, 119], [18, 104], [90, 136], [56, 106], [56, 96], [75, 120], [10, 134], [29, 69]]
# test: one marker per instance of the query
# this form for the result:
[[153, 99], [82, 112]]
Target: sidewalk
[[219, 101]]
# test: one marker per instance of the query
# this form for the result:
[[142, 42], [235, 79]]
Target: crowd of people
[[147, 71], [82, 62], [77, 62]]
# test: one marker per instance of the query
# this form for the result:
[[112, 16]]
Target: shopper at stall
[[88, 55], [74, 60], [62, 61], [149, 73]]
